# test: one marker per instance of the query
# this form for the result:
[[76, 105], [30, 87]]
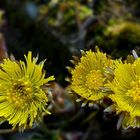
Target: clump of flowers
[[22, 98], [95, 77], [90, 76]]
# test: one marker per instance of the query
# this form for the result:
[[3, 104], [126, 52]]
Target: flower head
[[126, 88], [90, 76], [22, 99]]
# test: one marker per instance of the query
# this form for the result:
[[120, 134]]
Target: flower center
[[134, 92], [94, 80], [20, 92]]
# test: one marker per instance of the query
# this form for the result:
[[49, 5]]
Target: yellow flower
[[90, 76], [126, 88], [22, 99]]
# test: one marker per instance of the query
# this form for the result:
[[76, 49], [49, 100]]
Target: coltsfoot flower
[[22, 99], [90, 75], [126, 97]]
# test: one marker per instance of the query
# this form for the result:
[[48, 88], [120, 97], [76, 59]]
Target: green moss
[[120, 38]]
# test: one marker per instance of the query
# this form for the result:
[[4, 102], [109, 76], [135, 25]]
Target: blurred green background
[[57, 30]]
